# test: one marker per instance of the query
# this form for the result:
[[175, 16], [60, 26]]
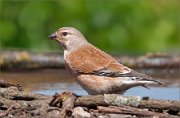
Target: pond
[[50, 81]]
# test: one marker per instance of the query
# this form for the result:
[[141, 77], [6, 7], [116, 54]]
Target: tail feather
[[143, 77], [145, 87], [143, 82], [152, 80]]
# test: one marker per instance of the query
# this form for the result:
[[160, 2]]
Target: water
[[51, 81]]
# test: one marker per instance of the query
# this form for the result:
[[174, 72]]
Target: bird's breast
[[65, 54], [68, 65]]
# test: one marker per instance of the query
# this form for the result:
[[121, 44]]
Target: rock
[[79, 112]]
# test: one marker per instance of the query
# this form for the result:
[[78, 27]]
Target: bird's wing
[[91, 60]]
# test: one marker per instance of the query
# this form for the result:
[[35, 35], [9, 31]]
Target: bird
[[93, 69]]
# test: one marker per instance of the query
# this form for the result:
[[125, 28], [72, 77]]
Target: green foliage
[[117, 26]]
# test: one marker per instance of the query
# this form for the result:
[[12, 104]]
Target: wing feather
[[91, 60]]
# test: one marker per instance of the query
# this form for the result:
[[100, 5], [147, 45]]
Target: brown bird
[[96, 71]]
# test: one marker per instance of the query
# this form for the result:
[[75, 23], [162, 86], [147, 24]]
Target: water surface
[[50, 81]]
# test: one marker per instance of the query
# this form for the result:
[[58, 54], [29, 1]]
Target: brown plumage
[[96, 71], [89, 59]]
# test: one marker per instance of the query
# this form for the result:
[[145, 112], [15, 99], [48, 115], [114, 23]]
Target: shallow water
[[52, 81]]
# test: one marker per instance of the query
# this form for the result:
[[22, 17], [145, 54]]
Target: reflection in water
[[51, 81]]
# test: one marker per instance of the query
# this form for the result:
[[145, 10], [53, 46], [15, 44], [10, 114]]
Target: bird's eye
[[64, 33]]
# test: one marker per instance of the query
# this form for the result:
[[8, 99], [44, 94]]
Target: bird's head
[[69, 37]]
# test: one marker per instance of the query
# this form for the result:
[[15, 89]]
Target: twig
[[131, 111], [118, 100]]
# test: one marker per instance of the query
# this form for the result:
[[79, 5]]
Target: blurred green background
[[116, 26]]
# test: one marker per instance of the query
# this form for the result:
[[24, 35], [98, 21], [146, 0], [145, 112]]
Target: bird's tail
[[150, 82], [137, 81], [143, 79]]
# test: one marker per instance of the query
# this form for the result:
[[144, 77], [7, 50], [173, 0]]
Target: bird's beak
[[52, 36]]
